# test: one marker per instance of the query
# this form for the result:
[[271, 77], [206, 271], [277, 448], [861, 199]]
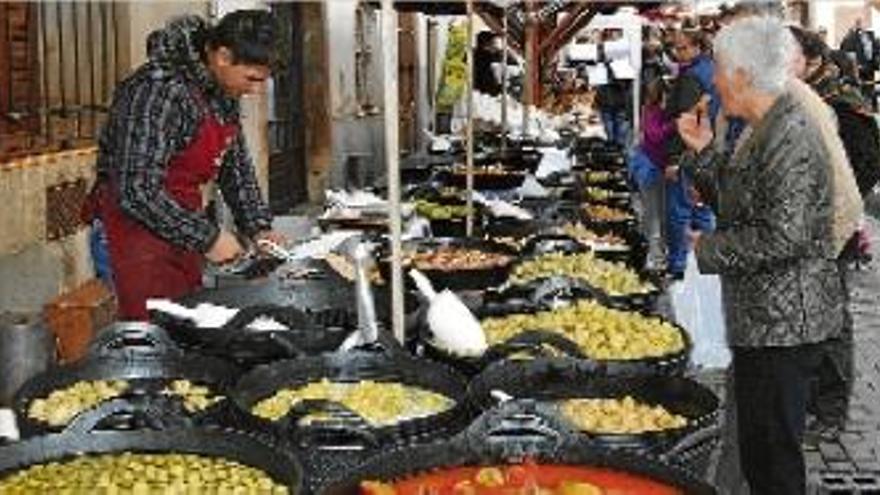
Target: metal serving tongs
[[282, 253]]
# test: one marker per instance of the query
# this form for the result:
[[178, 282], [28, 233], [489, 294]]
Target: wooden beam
[[496, 24], [533, 56], [316, 99], [579, 16]]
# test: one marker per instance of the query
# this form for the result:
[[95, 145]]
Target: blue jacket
[[703, 69]]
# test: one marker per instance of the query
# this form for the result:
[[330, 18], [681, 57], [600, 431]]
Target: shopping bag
[[697, 307]]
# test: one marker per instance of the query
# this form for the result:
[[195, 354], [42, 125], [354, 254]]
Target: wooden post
[[469, 225], [533, 62], [392, 152], [504, 83]]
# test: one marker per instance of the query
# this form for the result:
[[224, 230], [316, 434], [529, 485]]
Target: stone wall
[[33, 267]]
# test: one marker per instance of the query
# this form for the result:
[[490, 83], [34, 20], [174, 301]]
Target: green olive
[[134, 474], [601, 333], [380, 403]]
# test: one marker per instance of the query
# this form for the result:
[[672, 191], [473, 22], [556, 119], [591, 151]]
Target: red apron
[[144, 265]]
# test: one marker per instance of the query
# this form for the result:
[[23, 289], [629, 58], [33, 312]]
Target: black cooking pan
[[642, 302], [619, 200], [554, 380], [455, 279], [347, 439], [504, 180], [367, 224], [552, 243], [614, 181], [308, 332], [500, 227], [456, 226], [545, 343], [139, 353], [377, 365], [508, 435], [420, 169], [86, 435], [526, 159]]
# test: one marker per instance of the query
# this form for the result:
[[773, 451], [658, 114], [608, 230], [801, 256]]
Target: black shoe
[[818, 432]]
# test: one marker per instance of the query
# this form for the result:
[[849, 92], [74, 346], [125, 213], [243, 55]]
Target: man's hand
[[695, 132], [225, 249], [271, 236]]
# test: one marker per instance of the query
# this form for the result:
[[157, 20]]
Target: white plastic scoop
[[454, 327]]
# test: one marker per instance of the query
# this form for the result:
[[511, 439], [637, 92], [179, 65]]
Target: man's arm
[[238, 183]]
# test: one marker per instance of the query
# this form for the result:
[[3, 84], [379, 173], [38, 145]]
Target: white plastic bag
[[696, 304]]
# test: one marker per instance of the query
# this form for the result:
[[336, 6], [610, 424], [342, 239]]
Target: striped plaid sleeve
[[238, 183], [158, 119]]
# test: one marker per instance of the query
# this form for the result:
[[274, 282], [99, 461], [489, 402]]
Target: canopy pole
[[469, 225], [392, 157], [504, 84], [533, 67]]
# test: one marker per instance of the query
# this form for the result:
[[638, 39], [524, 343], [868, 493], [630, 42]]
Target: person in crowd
[[691, 53], [863, 44], [614, 98], [487, 55], [649, 162], [683, 213], [653, 65], [685, 210], [858, 128], [173, 126], [860, 142], [773, 247]]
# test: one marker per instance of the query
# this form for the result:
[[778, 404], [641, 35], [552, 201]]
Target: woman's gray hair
[[762, 47]]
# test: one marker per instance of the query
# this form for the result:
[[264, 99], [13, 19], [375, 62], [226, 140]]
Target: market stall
[[528, 349]]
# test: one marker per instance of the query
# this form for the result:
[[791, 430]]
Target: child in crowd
[[685, 211], [647, 166]]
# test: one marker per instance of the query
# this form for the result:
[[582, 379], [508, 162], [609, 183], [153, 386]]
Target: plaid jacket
[[153, 116], [773, 244]]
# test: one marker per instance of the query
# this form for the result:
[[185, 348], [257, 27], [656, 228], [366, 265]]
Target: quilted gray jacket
[[772, 247]]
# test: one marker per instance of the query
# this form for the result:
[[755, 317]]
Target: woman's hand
[[696, 133]]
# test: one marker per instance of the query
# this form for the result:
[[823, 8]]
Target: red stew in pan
[[528, 478]]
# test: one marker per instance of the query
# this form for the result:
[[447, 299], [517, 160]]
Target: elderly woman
[[773, 247]]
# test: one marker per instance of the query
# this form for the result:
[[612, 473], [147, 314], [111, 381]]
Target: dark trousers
[[833, 386], [772, 388], [617, 126]]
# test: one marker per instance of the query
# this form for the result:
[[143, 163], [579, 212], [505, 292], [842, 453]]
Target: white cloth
[[8, 426], [553, 161]]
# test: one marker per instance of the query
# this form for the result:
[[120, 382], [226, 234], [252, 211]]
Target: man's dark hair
[[811, 44], [248, 34]]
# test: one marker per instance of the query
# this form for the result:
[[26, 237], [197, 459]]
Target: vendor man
[[174, 125]]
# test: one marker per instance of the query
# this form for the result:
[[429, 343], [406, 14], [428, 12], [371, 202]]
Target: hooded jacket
[[154, 115]]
